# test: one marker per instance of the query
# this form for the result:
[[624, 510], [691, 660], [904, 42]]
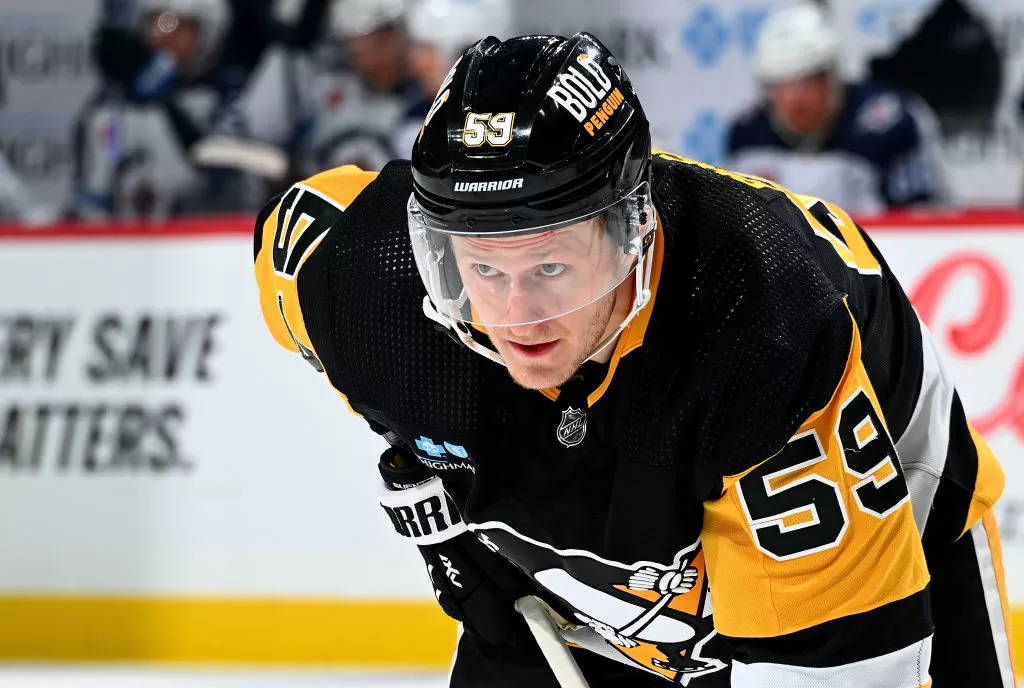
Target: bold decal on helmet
[[579, 92], [475, 187], [604, 113]]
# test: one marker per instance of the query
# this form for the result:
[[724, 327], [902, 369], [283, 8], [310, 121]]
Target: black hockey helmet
[[539, 142], [528, 132]]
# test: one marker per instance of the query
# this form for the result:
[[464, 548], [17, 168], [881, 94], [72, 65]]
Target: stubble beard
[[597, 326]]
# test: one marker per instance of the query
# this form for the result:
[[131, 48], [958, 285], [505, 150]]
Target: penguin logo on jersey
[[573, 427], [653, 615]]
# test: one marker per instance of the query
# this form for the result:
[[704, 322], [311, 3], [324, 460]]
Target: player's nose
[[522, 308], [523, 333]]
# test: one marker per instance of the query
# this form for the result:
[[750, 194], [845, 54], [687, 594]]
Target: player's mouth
[[533, 350]]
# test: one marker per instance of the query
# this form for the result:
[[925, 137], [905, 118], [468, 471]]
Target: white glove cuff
[[424, 513]]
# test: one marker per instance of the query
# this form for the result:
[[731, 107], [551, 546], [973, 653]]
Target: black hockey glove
[[472, 584]]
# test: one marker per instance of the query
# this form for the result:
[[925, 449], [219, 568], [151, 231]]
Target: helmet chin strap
[[460, 331], [642, 288], [643, 297]]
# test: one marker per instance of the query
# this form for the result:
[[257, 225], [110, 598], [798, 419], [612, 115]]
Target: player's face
[[380, 57], [530, 279], [804, 105], [173, 33]]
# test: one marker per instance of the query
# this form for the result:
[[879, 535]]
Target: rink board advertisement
[[175, 486], [46, 77]]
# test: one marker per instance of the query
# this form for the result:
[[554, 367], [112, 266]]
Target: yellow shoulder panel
[[289, 235], [851, 247], [748, 179], [988, 485], [822, 530]]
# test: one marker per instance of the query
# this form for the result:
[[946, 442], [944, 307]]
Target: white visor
[[522, 277]]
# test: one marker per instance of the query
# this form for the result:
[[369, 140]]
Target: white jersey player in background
[[860, 145], [440, 30], [133, 141], [341, 101], [356, 107]]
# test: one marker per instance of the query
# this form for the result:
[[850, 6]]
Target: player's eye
[[552, 269], [485, 270]]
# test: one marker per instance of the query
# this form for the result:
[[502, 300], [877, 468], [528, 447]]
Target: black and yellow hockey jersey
[[772, 482]]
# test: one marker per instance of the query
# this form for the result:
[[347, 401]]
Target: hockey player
[[859, 145], [441, 30], [374, 35], [174, 72], [692, 411], [356, 109]]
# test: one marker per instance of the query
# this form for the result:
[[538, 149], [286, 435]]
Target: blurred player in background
[[333, 90], [948, 54], [440, 31], [173, 72], [356, 87], [859, 145]]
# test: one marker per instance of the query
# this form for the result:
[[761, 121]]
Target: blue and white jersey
[[883, 152]]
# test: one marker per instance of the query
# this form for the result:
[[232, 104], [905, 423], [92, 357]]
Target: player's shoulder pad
[[826, 220], [288, 231], [664, 160]]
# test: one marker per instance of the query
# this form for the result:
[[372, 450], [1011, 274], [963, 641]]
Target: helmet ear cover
[[619, 218], [451, 280]]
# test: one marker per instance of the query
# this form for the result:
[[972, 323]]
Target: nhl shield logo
[[573, 427]]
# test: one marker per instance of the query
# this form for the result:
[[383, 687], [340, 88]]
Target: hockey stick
[[556, 652], [263, 159]]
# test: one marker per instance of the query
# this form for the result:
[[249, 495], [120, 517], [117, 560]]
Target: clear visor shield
[[505, 279]]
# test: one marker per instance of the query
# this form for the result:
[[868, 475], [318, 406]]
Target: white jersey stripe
[[455, 655], [923, 447], [904, 668], [993, 603]]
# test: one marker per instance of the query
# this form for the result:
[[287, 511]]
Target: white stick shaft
[[258, 158], [551, 644]]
